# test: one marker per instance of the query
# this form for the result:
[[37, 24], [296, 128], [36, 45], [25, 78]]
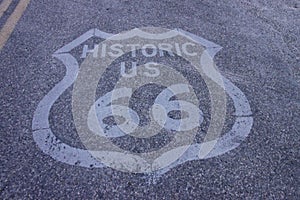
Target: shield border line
[[52, 146]]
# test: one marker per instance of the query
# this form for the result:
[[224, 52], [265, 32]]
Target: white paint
[[116, 50], [102, 109], [133, 70], [62, 152], [211, 47], [42, 133], [133, 49], [184, 49], [149, 70], [86, 50], [76, 42], [148, 50], [150, 66], [163, 106], [178, 51], [149, 46], [168, 48]]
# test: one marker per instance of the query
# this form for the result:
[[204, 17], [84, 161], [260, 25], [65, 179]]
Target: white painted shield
[[60, 151]]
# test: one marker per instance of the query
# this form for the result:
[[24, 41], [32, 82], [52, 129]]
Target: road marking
[[60, 151], [12, 21], [3, 6]]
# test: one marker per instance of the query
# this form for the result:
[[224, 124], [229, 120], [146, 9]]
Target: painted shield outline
[[60, 151]]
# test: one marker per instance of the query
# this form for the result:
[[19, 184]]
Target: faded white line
[[12, 21], [3, 6], [43, 134]]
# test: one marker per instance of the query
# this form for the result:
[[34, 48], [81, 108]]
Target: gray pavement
[[260, 55]]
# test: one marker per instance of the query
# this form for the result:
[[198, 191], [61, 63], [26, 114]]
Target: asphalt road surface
[[259, 56]]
